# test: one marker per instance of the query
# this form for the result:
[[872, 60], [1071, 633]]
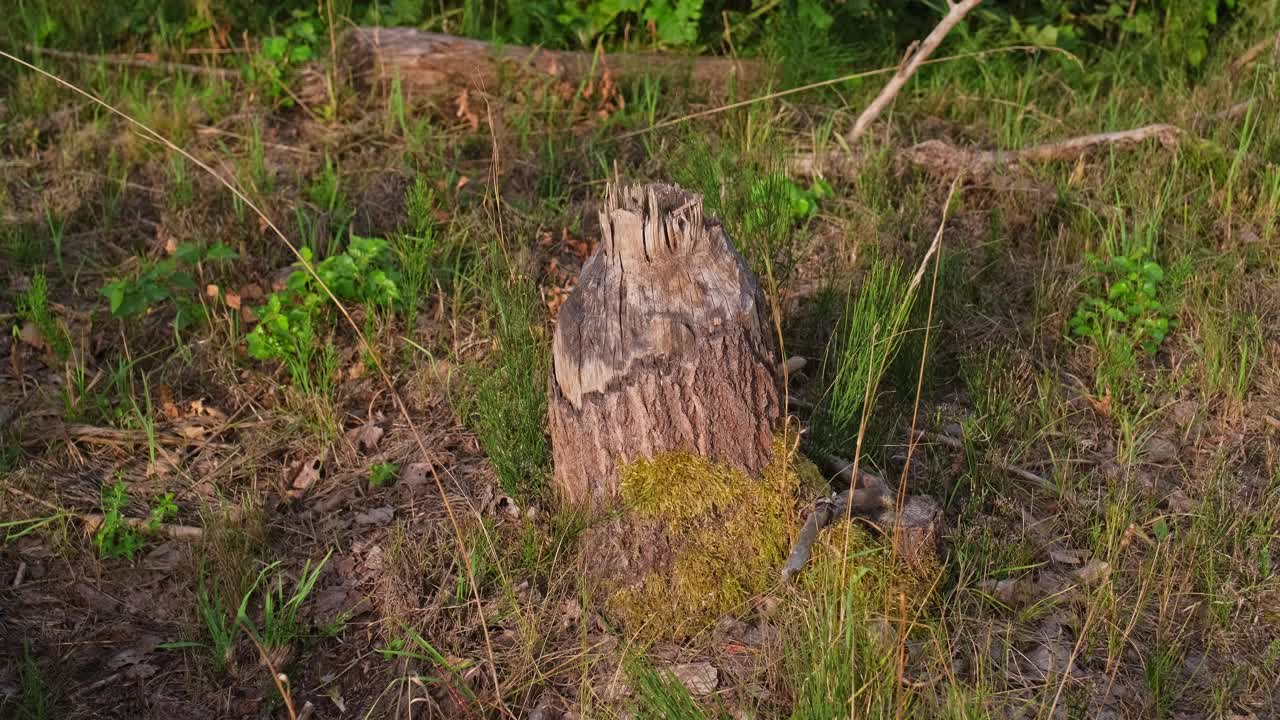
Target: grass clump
[[868, 336], [729, 532], [509, 401], [34, 701]]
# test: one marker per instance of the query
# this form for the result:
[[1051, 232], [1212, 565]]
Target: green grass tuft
[[508, 405]]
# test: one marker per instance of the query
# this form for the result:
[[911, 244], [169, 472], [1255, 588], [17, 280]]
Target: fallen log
[[435, 65]]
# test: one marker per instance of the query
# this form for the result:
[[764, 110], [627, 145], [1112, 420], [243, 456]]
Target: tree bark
[[664, 345], [434, 64]]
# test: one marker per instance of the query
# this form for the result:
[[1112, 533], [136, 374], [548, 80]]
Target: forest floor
[[1100, 387]]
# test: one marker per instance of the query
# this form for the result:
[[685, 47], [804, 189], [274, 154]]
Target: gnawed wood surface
[[435, 64], [663, 345]]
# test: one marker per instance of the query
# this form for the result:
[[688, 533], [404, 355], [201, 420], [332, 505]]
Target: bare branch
[[955, 13], [943, 158], [1256, 51], [135, 61]]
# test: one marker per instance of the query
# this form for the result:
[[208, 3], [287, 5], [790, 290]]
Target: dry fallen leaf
[[365, 437], [1094, 571], [1069, 557], [570, 613], [190, 431], [31, 335], [376, 516], [168, 407], [506, 505], [415, 474], [306, 477], [465, 111]]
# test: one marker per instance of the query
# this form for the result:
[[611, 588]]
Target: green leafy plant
[[116, 537], [164, 280], [288, 323], [1122, 303], [272, 66], [33, 306], [794, 202], [383, 473]]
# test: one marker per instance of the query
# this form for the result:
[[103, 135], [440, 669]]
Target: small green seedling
[[115, 537], [169, 278], [33, 307], [288, 323], [381, 474], [272, 66], [778, 195], [1121, 301]]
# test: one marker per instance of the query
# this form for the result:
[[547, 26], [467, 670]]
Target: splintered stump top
[[663, 345]]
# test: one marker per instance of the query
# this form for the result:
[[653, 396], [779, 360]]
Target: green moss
[[729, 536]]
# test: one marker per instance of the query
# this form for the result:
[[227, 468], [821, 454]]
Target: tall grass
[[867, 338], [836, 662], [508, 405]]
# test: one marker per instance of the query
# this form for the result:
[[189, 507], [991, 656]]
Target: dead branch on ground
[[1255, 51], [93, 521], [140, 61], [1014, 470]]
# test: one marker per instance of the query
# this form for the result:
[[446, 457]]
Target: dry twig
[[1014, 470], [145, 62], [93, 521], [1255, 51], [955, 13]]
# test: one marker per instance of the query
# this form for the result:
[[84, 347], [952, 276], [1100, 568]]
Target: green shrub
[[1121, 303], [288, 324], [167, 279]]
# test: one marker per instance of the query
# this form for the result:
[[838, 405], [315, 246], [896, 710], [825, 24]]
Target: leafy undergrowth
[[206, 484]]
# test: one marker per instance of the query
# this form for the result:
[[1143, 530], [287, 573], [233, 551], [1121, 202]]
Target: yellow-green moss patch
[[729, 535]]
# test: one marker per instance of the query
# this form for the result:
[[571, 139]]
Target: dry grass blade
[[365, 346]]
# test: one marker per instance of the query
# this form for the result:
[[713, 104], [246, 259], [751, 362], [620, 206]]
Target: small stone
[[1095, 571], [1159, 451], [700, 678]]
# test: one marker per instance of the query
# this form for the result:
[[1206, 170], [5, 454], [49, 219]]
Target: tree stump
[[664, 345]]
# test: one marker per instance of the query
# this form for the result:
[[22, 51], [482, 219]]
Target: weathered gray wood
[[663, 345], [434, 64]]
